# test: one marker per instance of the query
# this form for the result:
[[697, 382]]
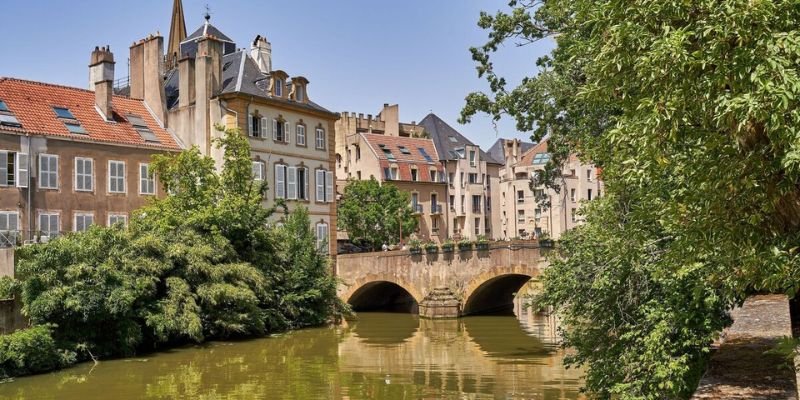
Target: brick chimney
[[146, 80], [101, 79]]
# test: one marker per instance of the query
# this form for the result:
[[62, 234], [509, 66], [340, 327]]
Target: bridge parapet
[[444, 284]]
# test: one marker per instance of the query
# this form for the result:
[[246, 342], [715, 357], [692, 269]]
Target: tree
[[374, 214], [690, 108]]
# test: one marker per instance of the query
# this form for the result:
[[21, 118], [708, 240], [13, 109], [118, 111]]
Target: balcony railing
[[417, 208], [18, 238], [436, 209]]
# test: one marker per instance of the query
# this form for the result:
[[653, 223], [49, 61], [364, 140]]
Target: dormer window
[[279, 87], [7, 118], [69, 120], [141, 127], [404, 150], [299, 93]]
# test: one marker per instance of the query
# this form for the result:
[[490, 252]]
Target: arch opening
[[495, 296], [383, 296]]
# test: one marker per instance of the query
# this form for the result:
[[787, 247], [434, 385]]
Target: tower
[[177, 34]]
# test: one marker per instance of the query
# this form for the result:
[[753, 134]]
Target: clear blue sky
[[357, 54]]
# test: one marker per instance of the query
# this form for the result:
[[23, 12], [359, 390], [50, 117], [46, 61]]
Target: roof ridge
[[58, 85]]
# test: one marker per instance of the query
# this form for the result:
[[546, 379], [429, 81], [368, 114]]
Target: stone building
[[70, 157], [214, 83], [522, 216], [473, 183]]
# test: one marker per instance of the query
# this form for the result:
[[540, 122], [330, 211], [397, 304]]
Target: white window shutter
[[329, 186], [264, 128], [291, 183], [280, 181], [3, 168], [22, 170], [274, 129], [286, 132], [320, 181], [250, 125], [306, 195], [257, 171]]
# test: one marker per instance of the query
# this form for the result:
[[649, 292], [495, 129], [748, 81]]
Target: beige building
[[522, 216], [71, 158], [473, 183], [215, 83]]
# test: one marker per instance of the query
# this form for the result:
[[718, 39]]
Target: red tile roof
[[32, 104], [405, 161], [527, 157]]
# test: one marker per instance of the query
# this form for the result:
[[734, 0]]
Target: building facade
[[71, 158], [215, 84], [522, 216]]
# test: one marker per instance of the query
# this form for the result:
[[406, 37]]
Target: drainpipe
[[30, 193], [447, 199]]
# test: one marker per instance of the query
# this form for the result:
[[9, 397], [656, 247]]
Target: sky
[[356, 54]]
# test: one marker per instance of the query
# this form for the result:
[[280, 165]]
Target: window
[[280, 181], [279, 87], [434, 175], [84, 174], [452, 202], [476, 204], [9, 120], [302, 183], [299, 93], [452, 178], [404, 150], [520, 196], [279, 131], [320, 138], [463, 205], [390, 174], [291, 183], [462, 180], [116, 177], [425, 155], [488, 203], [572, 172], [415, 202], [258, 170], [82, 221], [114, 219], [301, 135], [141, 127], [414, 174], [9, 228], [435, 204], [521, 216], [147, 180], [322, 238], [387, 152], [3, 106], [473, 178], [358, 152], [435, 224], [574, 215], [62, 112], [49, 224], [75, 128], [48, 171], [477, 226], [537, 213], [452, 139], [589, 175], [472, 159], [324, 186], [541, 158], [13, 169], [589, 194], [572, 195]]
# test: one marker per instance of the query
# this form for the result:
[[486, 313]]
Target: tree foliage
[[374, 214], [691, 110], [199, 264]]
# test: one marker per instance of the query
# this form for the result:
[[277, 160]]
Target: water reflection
[[380, 356]]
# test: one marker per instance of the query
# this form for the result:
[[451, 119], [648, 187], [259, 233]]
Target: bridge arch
[[375, 292], [494, 290]]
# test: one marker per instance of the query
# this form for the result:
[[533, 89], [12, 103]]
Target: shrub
[[31, 351]]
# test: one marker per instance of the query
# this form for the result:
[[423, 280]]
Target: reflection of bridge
[[442, 285]]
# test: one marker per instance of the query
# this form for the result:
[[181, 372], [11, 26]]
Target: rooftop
[[405, 153], [447, 140]]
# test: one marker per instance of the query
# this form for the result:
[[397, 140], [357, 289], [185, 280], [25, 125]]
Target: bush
[[31, 351]]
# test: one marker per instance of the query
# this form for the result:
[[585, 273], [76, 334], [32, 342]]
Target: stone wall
[[7, 262]]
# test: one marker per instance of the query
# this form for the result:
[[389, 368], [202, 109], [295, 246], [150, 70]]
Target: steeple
[[177, 34]]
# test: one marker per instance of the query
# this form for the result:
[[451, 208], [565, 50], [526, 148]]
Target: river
[[379, 356]]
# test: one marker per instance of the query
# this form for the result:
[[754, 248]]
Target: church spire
[[177, 34]]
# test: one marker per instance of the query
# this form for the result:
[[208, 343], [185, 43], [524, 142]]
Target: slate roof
[[240, 74], [497, 151], [440, 132], [208, 30], [32, 104], [415, 157]]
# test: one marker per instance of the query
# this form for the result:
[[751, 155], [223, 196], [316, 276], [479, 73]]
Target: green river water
[[379, 356]]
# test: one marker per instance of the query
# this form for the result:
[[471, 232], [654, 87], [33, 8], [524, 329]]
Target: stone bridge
[[440, 285]]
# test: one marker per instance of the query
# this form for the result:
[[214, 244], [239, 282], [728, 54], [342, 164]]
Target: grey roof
[[240, 74], [188, 47], [441, 133], [208, 29], [497, 151]]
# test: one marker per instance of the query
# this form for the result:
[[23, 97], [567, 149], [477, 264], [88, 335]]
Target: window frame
[[110, 215], [298, 135], [323, 241], [124, 177], [41, 171], [84, 215], [84, 175], [151, 180], [319, 137], [50, 215]]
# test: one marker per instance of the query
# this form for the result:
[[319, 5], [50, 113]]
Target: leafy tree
[[374, 214], [202, 263], [690, 108]]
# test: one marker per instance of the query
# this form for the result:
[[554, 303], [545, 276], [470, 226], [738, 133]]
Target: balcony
[[417, 208], [436, 209]]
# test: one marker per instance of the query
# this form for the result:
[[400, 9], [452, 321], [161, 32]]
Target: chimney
[[186, 79], [261, 51], [391, 116], [146, 80], [101, 77]]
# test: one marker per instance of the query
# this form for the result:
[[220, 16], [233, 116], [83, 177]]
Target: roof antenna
[[207, 15]]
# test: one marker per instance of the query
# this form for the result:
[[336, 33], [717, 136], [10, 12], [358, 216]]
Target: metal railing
[[436, 209], [15, 238], [417, 208]]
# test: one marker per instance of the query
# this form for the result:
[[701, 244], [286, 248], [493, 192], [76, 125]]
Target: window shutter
[[329, 186], [280, 181], [257, 171], [274, 129], [264, 128], [286, 131], [320, 186], [22, 170], [3, 168], [291, 183], [306, 196], [250, 125]]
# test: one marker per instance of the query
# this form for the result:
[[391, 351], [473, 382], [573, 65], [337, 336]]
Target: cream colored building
[[521, 215], [216, 83]]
